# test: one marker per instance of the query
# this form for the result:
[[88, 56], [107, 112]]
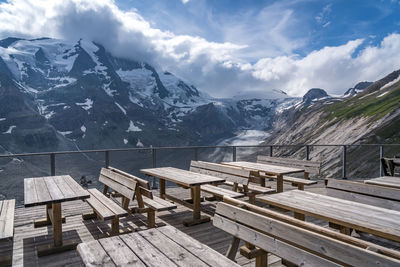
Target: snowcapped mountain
[[58, 94]]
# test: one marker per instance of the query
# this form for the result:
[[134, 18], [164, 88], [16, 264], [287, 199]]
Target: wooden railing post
[[307, 152], [233, 153]]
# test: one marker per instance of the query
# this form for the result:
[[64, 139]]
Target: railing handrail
[[184, 147]]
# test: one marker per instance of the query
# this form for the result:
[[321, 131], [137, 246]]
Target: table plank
[[30, 195], [172, 250], [64, 187], [80, 193], [93, 254], [7, 208], [54, 191], [43, 194], [265, 168], [120, 253], [366, 218], [205, 253], [146, 252], [388, 181], [182, 177]]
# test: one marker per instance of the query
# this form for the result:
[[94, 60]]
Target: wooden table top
[[268, 169], [7, 208], [366, 218], [52, 189], [182, 177], [162, 246], [388, 181]]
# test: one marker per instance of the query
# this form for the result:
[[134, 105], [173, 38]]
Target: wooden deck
[[27, 238]]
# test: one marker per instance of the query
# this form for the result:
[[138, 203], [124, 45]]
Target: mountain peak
[[313, 94]]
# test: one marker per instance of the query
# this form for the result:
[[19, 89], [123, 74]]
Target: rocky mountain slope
[[371, 115], [57, 95]]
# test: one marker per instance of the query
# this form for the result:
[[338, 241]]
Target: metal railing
[[153, 150]]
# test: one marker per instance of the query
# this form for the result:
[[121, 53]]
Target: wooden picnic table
[[347, 214], [162, 246], [388, 181], [52, 191], [186, 179], [266, 171]]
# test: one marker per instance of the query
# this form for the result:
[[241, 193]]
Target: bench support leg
[[115, 226], [262, 260], [233, 247], [300, 187], [279, 184], [250, 251], [299, 216], [162, 188], [46, 221], [151, 218]]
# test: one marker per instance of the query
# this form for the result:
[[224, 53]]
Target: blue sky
[[313, 24], [228, 48]]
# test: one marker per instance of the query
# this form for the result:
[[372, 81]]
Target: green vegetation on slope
[[366, 105]]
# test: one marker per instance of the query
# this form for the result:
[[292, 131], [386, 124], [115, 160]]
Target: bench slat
[[236, 171], [226, 176], [7, 219], [275, 246], [309, 166], [366, 189], [107, 208], [143, 183], [221, 192], [158, 204], [321, 245], [254, 188], [122, 189], [366, 199]]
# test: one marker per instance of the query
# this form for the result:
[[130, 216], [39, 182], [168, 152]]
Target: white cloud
[[221, 68], [185, 1], [331, 68]]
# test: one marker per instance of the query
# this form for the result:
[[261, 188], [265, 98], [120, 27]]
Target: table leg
[[162, 188], [262, 181], [57, 224], [197, 218], [46, 221], [54, 215], [279, 184]]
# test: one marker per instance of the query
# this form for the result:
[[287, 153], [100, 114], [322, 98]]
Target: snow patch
[[390, 83], [382, 94], [9, 131], [65, 133], [121, 108], [133, 127], [139, 143], [2, 119], [125, 141], [83, 128], [88, 104]]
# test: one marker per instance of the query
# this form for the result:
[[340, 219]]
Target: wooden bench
[[236, 177], [7, 208], [313, 167], [103, 206], [374, 195], [146, 201], [296, 242]]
